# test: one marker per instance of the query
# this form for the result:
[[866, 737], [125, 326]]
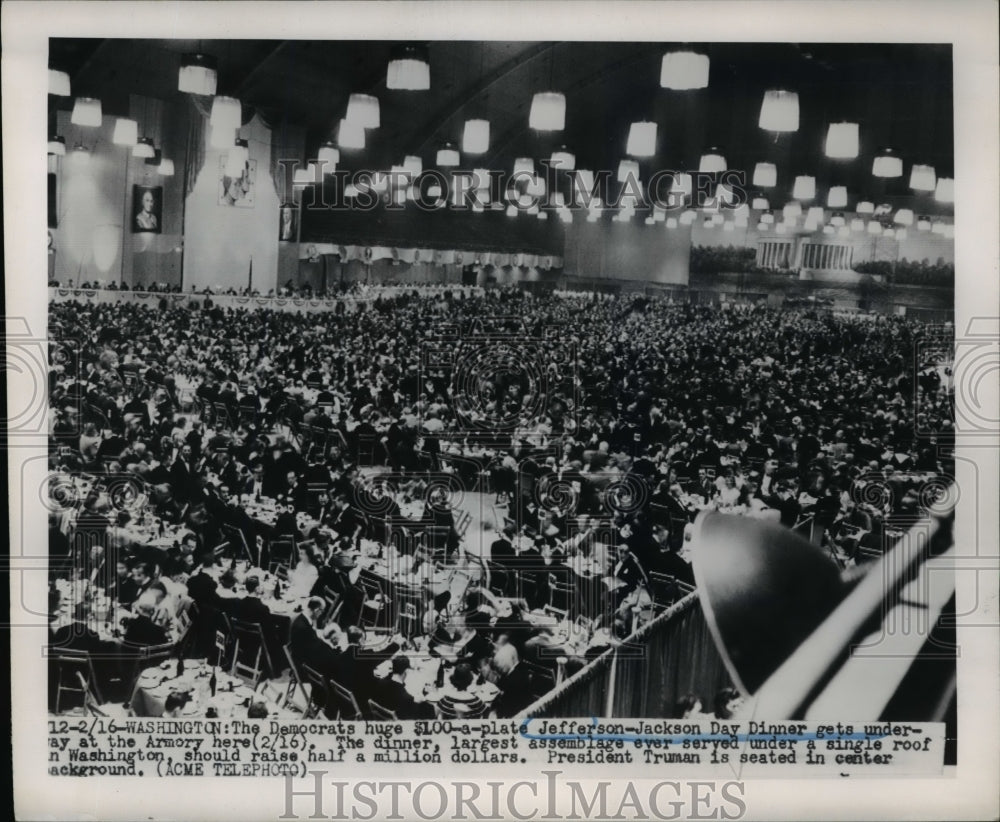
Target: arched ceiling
[[901, 94]]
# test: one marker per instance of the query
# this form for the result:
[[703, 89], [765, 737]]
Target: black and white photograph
[[608, 397], [147, 209]]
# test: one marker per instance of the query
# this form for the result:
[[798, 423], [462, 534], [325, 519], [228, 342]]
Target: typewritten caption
[[139, 747]]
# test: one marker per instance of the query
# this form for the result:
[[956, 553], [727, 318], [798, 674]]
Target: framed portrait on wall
[[237, 190], [147, 209], [288, 228]]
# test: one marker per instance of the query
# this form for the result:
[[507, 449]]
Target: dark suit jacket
[[393, 695], [515, 692], [355, 668], [308, 649], [251, 609], [142, 631], [502, 552]]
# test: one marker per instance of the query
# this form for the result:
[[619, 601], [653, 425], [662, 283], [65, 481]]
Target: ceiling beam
[[444, 114]]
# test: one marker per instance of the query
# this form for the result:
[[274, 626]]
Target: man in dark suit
[[182, 474], [502, 550], [306, 645], [355, 667], [142, 631], [514, 683], [391, 693]]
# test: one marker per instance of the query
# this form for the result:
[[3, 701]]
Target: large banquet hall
[[463, 379]]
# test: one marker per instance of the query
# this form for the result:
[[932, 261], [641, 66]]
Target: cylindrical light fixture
[[857, 224], [765, 175], [476, 136], [779, 111], [874, 227], [842, 141], [945, 190], [363, 110], [923, 223], [865, 207], [126, 132], [836, 197], [198, 74], [792, 211], [165, 168], [409, 69], [815, 214], [641, 139], [563, 159], [760, 204], [804, 188], [904, 216], [887, 164], [548, 111], [837, 219], [684, 70], [448, 156], [350, 135], [923, 178], [86, 112], [329, 156], [144, 149], [59, 83], [712, 162], [628, 169], [227, 113], [413, 165], [524, 165]]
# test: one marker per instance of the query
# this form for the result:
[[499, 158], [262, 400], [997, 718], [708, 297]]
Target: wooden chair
[[75, 675], [343, 699], [562, 593], [281, 549], [318, 692], [374, 611], [295, 681], [235, 536], [280, 570], [249, 652], [380, 712]]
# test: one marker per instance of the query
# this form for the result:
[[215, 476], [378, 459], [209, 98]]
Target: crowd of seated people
[[648, 413]]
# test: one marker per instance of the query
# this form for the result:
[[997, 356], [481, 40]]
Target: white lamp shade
[[874, 227], [779, 111], [682, 184], [649, 221], [535, 187], [59, 83], [329, 155], [641, 139], [815, 214], [760, 204], [628, 169], [408, 74], [765, 175], [688, 217], [86, 112], [804, 188], [888, 232], [413, 165], [226, 113], [166, 167], [480, 178], [923, 178], [828, 229], [511, 211], [524, 165], [671, 222], [57, 145], [712, 163], [144, 149], [843, 231], [126, 132], [363, 110], [197, 76], [767, 219], [781, 228], [548, 111], [762, 226], [684, 70], [837, 197], [448, 157], [543, 216], [857, 224], [350, 135], [659, 215], [923, 224], [887, 165], [837, 220], [904, 217], [865, 207], [476, 137], [945, 191], [842, 141], [563, 159], [791, 211]]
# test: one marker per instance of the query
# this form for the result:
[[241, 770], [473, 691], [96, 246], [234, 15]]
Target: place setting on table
[[280, 598], [201, 688], [429, 678]]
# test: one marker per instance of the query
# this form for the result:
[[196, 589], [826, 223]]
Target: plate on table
[[150, 679], [167, 664], [243, 692]]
